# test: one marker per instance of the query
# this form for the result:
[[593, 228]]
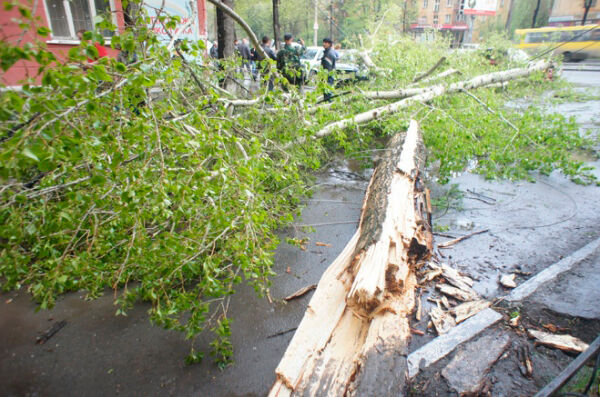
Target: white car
[[311, 59]]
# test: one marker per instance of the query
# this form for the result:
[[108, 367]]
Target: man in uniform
[[288, 61]]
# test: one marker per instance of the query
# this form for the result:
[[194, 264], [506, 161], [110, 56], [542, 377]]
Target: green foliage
[[135, 178], [579, 382], [158, 195]]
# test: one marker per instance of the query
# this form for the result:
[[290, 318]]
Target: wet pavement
[[531, 226]]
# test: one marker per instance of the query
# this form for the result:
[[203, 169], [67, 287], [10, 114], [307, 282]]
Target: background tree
[[522, 14], [225, 31], [586, 4], [535, 13]]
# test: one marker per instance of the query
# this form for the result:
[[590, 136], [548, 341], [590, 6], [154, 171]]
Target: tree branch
[[433, 92], [243, 24]]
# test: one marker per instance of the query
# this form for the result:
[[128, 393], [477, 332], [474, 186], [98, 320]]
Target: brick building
[[452, 19], [570, 13], [65, 17]]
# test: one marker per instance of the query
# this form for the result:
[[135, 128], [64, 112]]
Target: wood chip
[[442, 321], [508, 280], [300, 292], [457, 293], [430, 275], [320, 244], [554, 329], [524, 361], [455, 278], [445, 302], [566, 343], [419, 312], [417, 332], [468, 309], [514, 322]]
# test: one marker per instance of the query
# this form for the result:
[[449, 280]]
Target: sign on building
[[480, 7], [181, 8]]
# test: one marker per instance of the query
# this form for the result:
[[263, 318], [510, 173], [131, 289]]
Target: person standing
[[214, 50], [263, 66], [288, 60], [266, 46], [328, 63], [244, 51]]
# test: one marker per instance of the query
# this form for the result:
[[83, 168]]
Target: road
[[532, 225]]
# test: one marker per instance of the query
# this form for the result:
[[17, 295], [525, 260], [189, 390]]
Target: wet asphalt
[[531, 226]]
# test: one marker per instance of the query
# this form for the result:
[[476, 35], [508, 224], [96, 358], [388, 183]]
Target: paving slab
[[446, 343], [466, 372]]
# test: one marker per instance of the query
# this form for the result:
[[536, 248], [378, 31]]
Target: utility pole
[[316, 25], [331, 19], [276, 28]]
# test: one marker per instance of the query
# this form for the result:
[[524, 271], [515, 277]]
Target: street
[[531, 226]]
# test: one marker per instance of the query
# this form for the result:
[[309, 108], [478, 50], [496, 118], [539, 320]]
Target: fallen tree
[[363, 301], [429, 93]]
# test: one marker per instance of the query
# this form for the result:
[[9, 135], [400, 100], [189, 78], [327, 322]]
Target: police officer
[[288, 60]]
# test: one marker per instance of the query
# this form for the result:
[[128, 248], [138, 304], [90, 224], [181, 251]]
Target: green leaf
[[28, 153], [43, 31]]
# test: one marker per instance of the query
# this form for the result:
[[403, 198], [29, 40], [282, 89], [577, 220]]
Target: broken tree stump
[[353, 339]]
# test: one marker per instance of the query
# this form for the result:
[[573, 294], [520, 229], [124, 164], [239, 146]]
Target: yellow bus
[[573, 42]]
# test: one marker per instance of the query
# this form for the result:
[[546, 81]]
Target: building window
[[447, 19], [436, 6], [425, 3], [436, 20], [67, 17], [501, 3], [449, 3]]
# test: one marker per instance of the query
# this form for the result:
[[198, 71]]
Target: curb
[[444, 344], [550, 273]]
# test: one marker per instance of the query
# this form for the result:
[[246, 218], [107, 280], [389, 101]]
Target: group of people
[[287, 58]]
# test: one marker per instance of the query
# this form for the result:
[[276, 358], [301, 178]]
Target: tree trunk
[[509, 17], [428, 93], [404, 17], [225, 31], [535, 13], [587, 4], [353, 339], [227, 8], [276, 27]]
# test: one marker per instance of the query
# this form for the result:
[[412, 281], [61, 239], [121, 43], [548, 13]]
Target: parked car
[[311, 60], [350, 67], [347, 64]]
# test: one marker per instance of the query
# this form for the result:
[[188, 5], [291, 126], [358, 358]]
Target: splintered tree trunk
[[353, 339], [225, 31]]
